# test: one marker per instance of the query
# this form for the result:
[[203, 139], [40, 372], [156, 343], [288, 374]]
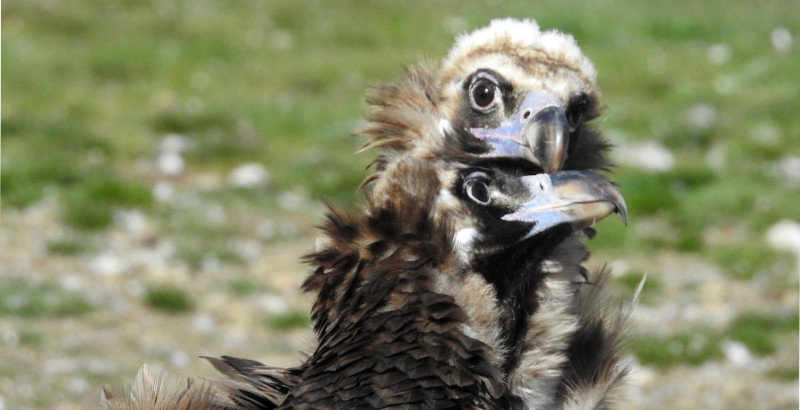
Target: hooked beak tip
[[578, 198], [623, 214], [538, 131]]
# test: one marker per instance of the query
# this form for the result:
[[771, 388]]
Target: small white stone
[[717, 157], [788, 168], [163, 191], [781, 40], [247, 249], [737, 353], [273, 303], [101, 367], [179, 358], [173, 143], [204, 323], [785, 236], [290, 199], [216, 215], [107, 264], [648, 155], [61, 365], [701, 116], [718, 54], [282, 39], [170, 163], [9, 337], [71, 282], [131, 220], [267, 230], [724, 84], [765, 133], [78, 385], [249, 176]]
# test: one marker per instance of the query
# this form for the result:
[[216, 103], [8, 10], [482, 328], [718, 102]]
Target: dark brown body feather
[[386, 338], [403, 321]]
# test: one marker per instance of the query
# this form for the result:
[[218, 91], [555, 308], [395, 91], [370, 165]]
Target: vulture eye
[[476, 188], [483, 92]]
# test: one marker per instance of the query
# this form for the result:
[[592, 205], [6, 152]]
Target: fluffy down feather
[[409, 312]]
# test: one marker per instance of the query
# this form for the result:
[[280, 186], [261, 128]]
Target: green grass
[[783, 373], [28, 300], [244, 287], [283, 85], [31, 338], [91, 204], [759, 331], [692, 348], [67, 246], [90, 90], [199, 239], [168, 299], [290, 320], [748, 262]]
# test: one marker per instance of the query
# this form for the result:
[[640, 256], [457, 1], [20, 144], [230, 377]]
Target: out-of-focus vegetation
[[92, 91], [168, 299], [35, 301]]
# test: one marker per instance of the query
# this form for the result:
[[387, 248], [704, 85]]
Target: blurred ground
[[164, 165]]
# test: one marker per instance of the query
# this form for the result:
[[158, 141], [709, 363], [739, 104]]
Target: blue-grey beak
[[578, 198], [539, 132]]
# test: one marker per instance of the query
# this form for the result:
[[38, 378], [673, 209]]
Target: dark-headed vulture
[[459, 283]]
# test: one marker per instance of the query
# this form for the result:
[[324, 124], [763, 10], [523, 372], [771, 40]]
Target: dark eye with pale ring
[[483, 92], [477, 189]]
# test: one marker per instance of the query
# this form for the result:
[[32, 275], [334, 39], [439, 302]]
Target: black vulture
[[435, 296], [459, 284]]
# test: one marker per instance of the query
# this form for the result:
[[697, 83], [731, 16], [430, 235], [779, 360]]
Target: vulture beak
[[578, 198], [538, 132]]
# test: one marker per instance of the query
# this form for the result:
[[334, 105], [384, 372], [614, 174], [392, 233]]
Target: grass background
[[91, 90]]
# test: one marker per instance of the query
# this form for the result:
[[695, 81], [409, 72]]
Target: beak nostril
[[526, 114]]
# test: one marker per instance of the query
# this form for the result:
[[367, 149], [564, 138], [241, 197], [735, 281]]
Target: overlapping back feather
[[385, 338]]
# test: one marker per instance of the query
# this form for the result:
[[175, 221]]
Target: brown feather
[[597, 368], [158, 390]]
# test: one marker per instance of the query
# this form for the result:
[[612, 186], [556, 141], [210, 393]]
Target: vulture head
[[524, 92], [507, 91]]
